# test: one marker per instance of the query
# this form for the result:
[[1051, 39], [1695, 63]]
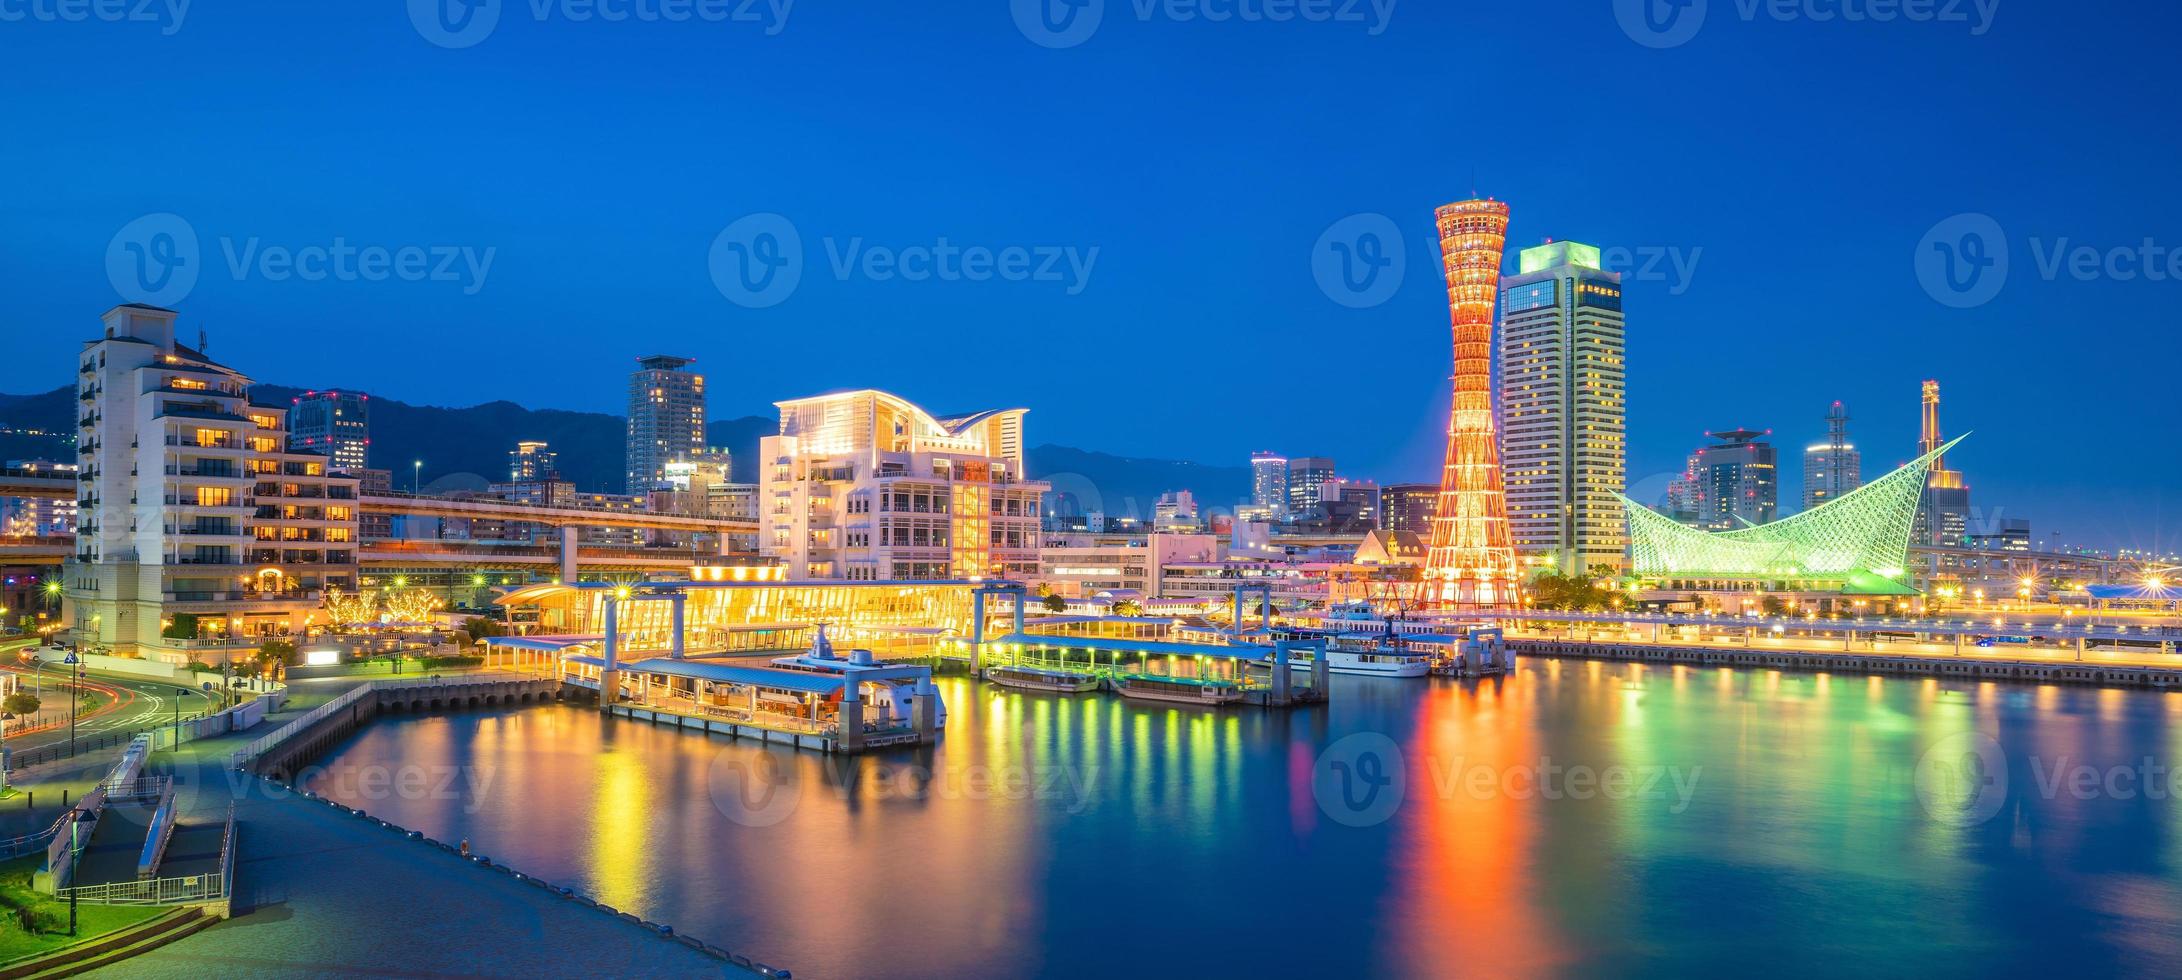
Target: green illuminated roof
[[1860, 539], [1539, 258]]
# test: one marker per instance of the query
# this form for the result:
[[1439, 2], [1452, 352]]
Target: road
[[126, 704]]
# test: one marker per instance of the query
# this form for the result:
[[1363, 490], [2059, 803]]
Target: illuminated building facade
[[748, 610], [1564, 408], [333, 424], [532, 462], [1269, 485], [1307, 479], [1409, 507], [866, 486], [198, 530], [1735, 482], [1943, 517], [31, 517], [1833, 467], [1471, 561], [1855, 544], [666, 419]]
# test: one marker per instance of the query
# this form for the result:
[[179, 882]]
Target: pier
[[1978, 669], [1207, 673]]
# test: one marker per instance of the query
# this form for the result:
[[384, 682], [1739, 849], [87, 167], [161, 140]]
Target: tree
[[182, 627], [345, 609], [480, 627], [1128, 607], [20, 704], [413, 605], [1772, 605], [1055, 603], [276, 651]]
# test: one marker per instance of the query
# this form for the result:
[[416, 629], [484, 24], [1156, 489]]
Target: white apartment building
[[865, 486], [1563, 408], [198, 531]]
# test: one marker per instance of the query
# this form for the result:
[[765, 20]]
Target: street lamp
[[416, 477]]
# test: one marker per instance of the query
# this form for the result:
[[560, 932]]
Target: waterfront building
[[1307, 477], [374, 483], [1269, 485], [666, 419], [333, 424], [1385, 547], [1732, 483], [1082, 566], [1409, 507], [1943, 516], [1563, 407], [1857, 544], [199, 529], [1472, 557], [532, 461], [866, 486], [1833, 467], [35, 517]]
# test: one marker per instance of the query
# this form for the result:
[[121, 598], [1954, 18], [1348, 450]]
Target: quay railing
[[211, 886]]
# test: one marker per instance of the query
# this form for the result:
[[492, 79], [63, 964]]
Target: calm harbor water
[[1576, 817]]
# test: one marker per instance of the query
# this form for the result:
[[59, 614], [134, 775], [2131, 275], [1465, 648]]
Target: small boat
[[1365, 654], [1176, 690], [1038, 679]]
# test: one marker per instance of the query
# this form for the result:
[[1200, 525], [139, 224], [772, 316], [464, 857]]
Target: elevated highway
[[561, 517]]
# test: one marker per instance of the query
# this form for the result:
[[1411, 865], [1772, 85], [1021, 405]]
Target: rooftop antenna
[[200, 340]]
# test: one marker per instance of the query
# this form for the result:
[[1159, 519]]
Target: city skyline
[[1674, 212]]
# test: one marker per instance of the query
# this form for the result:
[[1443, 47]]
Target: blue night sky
[[1798, 163]]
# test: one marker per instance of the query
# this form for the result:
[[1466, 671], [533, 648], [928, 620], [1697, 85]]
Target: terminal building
[[866, 486], [1855, 545]]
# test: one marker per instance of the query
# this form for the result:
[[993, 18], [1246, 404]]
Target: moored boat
[[1039, 679], [1176, 690]]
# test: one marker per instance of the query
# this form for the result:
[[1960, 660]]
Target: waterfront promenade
[[319, 891]]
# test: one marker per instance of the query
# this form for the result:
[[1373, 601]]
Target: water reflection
[[1574, 817]]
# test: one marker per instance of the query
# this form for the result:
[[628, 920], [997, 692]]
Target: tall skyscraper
[[1307, 478], [1472, 557], [1269, 484], [1833, 467], [531, 462], [333, 424], [1733, 483], [1563, 407], [1943, 516], [666, 419]]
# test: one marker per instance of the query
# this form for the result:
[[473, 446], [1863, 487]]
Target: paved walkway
[[322, 893]]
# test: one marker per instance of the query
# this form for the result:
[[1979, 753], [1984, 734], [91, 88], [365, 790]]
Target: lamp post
[[416, 477]]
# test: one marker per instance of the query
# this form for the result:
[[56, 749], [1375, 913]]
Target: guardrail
[[249, 753], [159, 835], [179, 890]]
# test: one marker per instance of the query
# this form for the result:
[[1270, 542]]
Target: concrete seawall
[[291, 748], [2154, 678]]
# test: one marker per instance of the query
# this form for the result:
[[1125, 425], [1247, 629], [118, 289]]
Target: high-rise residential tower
[[333, 424], [1833, 467], [1409, 507], [1269, 484], [1307, 478], [1563, 407], [1471, 561], [199, 528], [666, 419]]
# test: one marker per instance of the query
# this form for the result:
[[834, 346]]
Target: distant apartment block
[[333, 424], [666, 419]]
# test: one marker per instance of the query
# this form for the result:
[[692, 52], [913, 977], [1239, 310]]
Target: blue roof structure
[[799, 681]]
